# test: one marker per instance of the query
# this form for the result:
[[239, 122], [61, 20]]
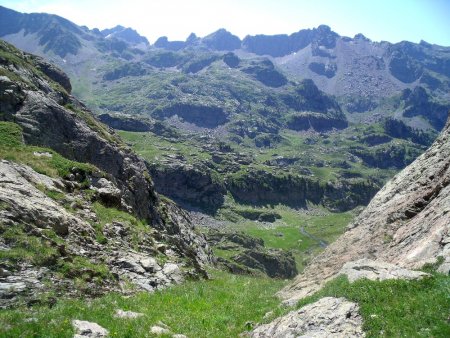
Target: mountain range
[[378, 104], [225, 166]]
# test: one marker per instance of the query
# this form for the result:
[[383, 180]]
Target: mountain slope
[[75, 202], [406, 223], [246, 126]]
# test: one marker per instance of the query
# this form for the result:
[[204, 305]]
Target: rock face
[[200, 115], [262, 187], [252, 257], [24, 203], [406, 223], [189, 184], [28, 204], [275, 264], [265, 72], [49, 117], [376, 270], [222, 40], [328, 317]]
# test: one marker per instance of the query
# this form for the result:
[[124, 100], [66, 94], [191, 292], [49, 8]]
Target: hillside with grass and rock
[[399, 243], [275, 186], [220, 116], [79, 213]]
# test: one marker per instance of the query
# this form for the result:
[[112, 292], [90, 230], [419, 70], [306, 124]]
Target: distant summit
[[126, 34], [283, 44], [222, 40], [53, 32], [60, 36]]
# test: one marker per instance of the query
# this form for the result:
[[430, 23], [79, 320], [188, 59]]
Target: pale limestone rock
[[376, 270], [174, 272], [85, 329], [128, 314], [328, 318], [158, 330]]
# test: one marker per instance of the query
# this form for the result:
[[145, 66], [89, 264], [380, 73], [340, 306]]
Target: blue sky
[[390, 20]]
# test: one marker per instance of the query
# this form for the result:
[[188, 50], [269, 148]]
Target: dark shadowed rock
[[276, 264], [265, 72], [231, 59], [200, 115], [222, 40]]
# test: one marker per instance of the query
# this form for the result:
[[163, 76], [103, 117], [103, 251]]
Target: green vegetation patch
[[26, 248], [303, 234], [137, 228], [222, 307], [10, 134], [43, 160], [396, 308]]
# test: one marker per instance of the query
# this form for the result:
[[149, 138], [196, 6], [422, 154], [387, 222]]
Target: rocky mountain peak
[[222, 40], [126, 34]]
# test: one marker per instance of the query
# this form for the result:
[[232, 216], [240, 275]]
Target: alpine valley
[[175, 189]]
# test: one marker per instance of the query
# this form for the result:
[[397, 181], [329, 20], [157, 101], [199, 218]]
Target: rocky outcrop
[[125, 123], [129, 123], [388, 155], [24, 204], [328, 70], [376, 270], [127, 69], [420, 103], [250, 255], [406, 224], [54, 73], [261, 187], [274, 263], [315, 121], [200, 115], [328, 317], [85, 329], [397, 128], [220, 239], [189, 185], [265, 72], [50, 118]]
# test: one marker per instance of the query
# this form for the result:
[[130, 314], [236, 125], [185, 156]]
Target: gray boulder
[[376, 270], [128, 314], [328, 317], [85, 329]]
